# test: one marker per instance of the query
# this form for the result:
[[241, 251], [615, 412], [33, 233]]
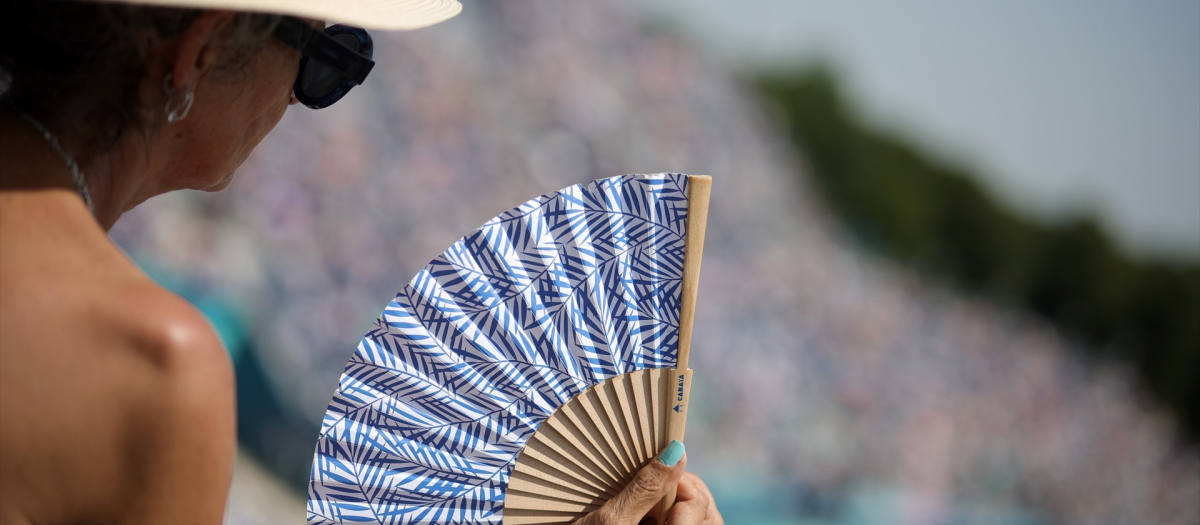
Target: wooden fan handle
[[679, 387]]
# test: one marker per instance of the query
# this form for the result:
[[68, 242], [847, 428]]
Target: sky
[[1065, 107]]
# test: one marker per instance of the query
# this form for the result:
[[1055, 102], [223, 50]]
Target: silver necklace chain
[[76, 175]]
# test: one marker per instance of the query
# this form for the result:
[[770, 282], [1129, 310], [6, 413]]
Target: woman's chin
[[215, 185]]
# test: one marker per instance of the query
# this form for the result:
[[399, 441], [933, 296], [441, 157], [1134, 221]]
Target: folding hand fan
[[529, 371]]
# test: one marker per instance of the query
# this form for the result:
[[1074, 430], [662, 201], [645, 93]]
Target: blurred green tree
[[901, 203]]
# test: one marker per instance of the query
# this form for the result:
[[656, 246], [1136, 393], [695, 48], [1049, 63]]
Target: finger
[[700, 484], [691, 506], [713, 516], [647, 488], [689, 488]]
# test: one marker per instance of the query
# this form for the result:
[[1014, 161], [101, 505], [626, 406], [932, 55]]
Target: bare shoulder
[[116, 394], [188, 405], [187, 372], [169, 334]]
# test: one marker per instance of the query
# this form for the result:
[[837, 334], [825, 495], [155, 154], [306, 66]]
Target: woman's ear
[[197, 49]]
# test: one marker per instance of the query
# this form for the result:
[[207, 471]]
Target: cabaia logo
[[679, 396]]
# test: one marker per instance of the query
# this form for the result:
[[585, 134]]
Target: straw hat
[[370, 14]]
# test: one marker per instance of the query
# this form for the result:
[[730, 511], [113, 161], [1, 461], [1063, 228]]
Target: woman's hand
[[694, 504]]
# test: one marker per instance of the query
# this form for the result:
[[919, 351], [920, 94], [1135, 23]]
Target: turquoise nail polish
[[672, 454]]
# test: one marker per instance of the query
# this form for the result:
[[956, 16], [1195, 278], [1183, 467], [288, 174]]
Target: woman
[[116, 397]]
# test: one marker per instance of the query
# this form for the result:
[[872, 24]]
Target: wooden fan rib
[[577, 413], [520, 501], [526, 482], [577, 435], [538, 517], [535, 466], [637, 382], [580, 462], [661, 388], [602, 407], [589, 409], [646, 387], [593, 407], [534, 476], [545, 453], [623, 393]]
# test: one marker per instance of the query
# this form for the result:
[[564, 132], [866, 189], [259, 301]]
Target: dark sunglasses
[[334, 60]]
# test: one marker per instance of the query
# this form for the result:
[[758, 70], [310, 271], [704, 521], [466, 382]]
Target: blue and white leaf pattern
[[508, 324]]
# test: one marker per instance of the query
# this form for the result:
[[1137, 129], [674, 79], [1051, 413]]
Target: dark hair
[[77, 65]]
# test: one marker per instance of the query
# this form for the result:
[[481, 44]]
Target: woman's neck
[[118, 179]]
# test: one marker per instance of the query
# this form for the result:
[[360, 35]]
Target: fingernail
[[672, 454]]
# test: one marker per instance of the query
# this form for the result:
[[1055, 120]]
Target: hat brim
[[370, 14]]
